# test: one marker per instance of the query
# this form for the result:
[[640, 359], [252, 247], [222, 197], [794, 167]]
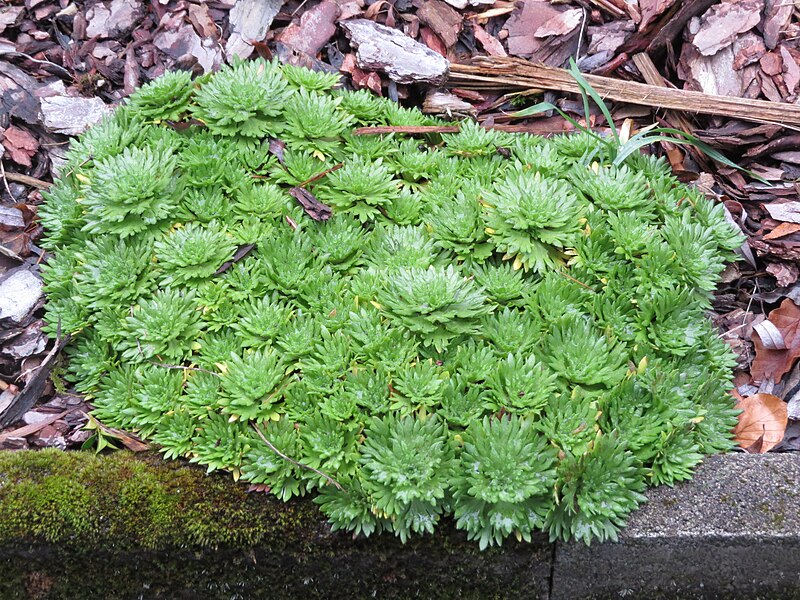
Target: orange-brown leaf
[[762, 423], [774, 364]]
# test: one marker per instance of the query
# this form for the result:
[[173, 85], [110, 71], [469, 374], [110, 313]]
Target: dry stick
[[5, 180], [410, 129], [293, 461], [335, 167], [520, 73], [27, 180], [651, 75]]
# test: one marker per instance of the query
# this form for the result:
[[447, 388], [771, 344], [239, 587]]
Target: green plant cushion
[[504, 328]]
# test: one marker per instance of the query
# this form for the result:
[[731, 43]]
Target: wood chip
[[113, 19], [442, 19], [20, 292], [491, 44], [519, 74], [722, 24], [72, 116], [782, 230], [652, 10], [249, 21], [20, 144], [784, 273], [788, 212], [404, 60], [315, 28]]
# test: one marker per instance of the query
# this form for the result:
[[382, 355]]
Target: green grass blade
[[588, 89]]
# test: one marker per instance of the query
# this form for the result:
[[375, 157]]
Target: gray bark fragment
[[20, 291], [404, 60], [72, 116], [249, 21]]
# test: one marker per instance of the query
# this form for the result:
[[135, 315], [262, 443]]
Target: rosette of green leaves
[[328, 447], [246, 99], [360, 188], [406, 467], [193, 252], [512, 330], [339, 242], [263, 465], [90, 357], [503, 283], [350, 508], [520, 384], [156, 393], [166, 98], [162, 327], [315, 123], [312, 81], [419, 388], [532, 219], [174, 433], [113, 271], [395, 246], [504, 483], [597, 490], [61, 215], [457, 224], [251, 384], [473, 140], [581, 355], [614, 188], [261, 321], [438, 304], [133, 192], [220, 443]]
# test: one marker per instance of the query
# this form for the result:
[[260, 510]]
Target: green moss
[[83, 498], [132, 526]]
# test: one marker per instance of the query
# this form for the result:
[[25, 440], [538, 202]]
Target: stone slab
[[732, 532]]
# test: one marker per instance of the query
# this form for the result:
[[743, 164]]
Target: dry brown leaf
[[774, 364], [762, 423]]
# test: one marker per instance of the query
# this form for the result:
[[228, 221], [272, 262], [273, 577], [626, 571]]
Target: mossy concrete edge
[[128, 526], [77, 525]]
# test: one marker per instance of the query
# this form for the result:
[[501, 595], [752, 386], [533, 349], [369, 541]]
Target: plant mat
[[479, 324], [61, 66]]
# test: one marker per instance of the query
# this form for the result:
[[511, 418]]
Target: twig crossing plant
[[502, 328]]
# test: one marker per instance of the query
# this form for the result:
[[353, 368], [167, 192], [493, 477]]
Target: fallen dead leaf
[[762, 423], [775, 363]]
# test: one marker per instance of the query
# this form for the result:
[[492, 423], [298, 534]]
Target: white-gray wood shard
[[403, 59], [20, 291], [249, 21], [72, 115]]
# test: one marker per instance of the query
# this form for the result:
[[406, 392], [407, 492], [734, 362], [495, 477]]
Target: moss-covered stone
[[77, 525]]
